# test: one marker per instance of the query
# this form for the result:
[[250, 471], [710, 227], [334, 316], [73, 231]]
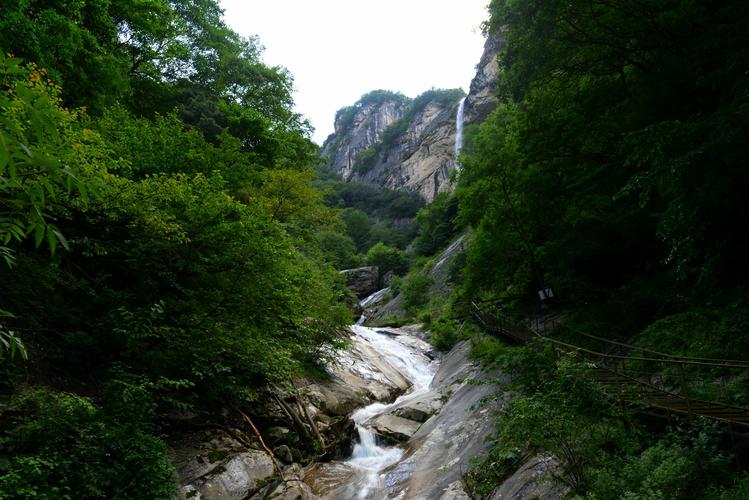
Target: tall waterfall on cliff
[[459, 131]]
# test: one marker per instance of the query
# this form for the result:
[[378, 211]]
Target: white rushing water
[[459, 130], [368, 300], [369, 458]]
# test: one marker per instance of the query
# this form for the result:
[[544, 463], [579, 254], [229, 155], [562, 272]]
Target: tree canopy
[[159, 223]]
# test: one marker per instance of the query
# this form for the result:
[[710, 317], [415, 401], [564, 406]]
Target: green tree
[[387, 259], [437, 225], [358, 227], [339, 248]]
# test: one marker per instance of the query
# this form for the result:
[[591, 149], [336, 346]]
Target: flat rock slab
[[360, 377], [441, 450], [395, 428]]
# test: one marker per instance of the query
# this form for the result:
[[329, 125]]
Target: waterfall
[[459, 131], [369, 457]]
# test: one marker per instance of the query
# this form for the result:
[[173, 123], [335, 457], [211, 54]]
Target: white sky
[[337, 50]]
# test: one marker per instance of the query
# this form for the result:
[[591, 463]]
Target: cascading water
[[459, 131], [369, 457], [372, 298]]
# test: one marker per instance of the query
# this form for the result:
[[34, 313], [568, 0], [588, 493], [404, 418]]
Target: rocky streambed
[[419, 445], [418, 420]]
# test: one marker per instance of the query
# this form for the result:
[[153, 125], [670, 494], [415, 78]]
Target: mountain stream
[[362, 475]]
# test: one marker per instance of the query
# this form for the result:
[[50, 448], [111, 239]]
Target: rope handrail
[[648, 394], [670, 358], [745, 364]]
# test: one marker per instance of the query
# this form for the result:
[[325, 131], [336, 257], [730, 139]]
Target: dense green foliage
[[617, 149], [612, 171], [387, 259], [167, 248], [65, 446], [437, 224], [602, 452], [370, 215]]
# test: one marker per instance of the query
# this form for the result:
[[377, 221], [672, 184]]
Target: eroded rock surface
[[360, 377], [440, 450], [419, 155], [212, 465], [534, 479], [481, 98], [362, 281]]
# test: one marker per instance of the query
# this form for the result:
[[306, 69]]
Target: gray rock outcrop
[[212, 465], [439, 452], [358, 127], [361, 376], [362, 281], [482, 98], [419, 154]]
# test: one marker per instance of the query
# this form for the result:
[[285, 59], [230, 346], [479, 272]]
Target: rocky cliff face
[[481, 98], [410, 145], [359, 127]]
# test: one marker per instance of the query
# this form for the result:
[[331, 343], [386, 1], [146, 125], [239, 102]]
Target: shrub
[[338, 248], [387, 259], [445, 333], [58, 445], [680, 465], [416, 290], [436, 224]]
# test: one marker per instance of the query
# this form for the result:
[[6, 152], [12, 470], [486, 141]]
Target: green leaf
[[52, 242], [38, 234], [62, 239]]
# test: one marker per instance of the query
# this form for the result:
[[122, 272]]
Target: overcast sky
[[338, 50]]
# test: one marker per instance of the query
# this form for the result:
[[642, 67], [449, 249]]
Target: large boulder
[[362, 281], [212, 465], [395, 429], [421, 408]]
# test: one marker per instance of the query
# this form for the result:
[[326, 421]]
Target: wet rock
[[398, 476], [331, 480], [388, 278], [420, 409], [441, 449], [395, 428], [360, 377], [362, 281], [283, 453], [534, 479], [277, 434]]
